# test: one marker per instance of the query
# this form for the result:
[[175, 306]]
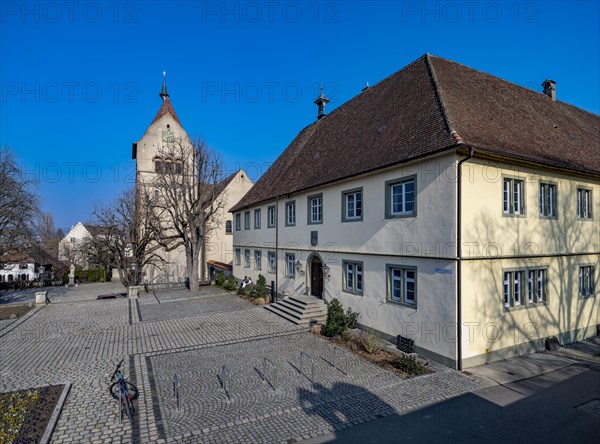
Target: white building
[[445, 205], [72, 248]]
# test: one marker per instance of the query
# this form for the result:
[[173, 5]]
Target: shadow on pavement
[[549, 408]]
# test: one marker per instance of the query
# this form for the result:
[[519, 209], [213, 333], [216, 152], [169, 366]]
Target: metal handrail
[[268, 360], [312, 360], [345, 354], [177, 389]]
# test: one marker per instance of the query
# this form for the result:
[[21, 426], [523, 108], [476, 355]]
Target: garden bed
[[13, 311], [25, 414], [401, 364]]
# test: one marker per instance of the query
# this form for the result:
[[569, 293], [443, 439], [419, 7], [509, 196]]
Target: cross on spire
[[164, 94]]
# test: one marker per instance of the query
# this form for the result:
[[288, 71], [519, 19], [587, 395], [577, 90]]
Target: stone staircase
[[301, 310]]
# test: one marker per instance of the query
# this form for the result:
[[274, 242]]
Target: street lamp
[[299, 267], [326, 271]]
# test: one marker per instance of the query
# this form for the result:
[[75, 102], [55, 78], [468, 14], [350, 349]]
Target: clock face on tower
[[168, 136]]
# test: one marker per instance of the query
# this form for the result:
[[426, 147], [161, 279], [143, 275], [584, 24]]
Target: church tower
[[150, 160]]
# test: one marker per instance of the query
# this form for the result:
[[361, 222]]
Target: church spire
[[164, 94]]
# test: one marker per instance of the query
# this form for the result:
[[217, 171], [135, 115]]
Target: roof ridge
[[539, 93], [445, 111], [365, 90]]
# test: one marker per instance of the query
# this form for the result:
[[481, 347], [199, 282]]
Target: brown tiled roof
[[220, 265], [37, 253], [165, 108], [505, 118], [431, 105]]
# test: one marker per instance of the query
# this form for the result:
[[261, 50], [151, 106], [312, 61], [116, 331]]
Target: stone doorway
[[316, 277]]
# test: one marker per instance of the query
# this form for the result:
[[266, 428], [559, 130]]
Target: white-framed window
[[541, 285], [517, 290], [352, 205], [402, 284], [401, 198], [290, 213], [515, 286], [547, 200], [271, 217], [506, 283], [247, 258], [257, 217], [238, 222], [290, 265], [586, 280], [584, 203], [513, 201], [353, 277], [258, 259], [271, 257], [315, 209], [238, 256], [228, 227], [531, 281], [247, 220]]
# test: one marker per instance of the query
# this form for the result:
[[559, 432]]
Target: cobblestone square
[[78, 339]]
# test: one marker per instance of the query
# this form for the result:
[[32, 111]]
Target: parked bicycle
[[124, 391]]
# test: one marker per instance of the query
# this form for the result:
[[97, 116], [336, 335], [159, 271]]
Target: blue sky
[[80, 80]]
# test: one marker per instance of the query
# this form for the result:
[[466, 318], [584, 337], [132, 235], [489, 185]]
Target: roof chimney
[[320, 102], [550, 88]]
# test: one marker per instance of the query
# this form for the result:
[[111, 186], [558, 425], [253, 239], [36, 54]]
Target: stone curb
[[20, 320], [56, 414]]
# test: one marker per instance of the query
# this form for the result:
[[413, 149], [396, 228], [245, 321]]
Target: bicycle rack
[[266, 361], [226, 380], [344, 353], [177, 389], [312, 360], [120, 401]]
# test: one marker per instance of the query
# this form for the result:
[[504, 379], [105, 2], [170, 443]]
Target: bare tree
[[188, 200], [18, 204], [127, 233], [46, 227]]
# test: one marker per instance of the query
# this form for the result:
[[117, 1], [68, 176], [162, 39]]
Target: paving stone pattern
[[81, 342]]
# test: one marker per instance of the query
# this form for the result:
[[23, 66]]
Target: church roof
[[211, 190], [432, 105], [166, 108]]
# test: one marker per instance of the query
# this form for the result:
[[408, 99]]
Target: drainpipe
[[276, 244], [459, 258]]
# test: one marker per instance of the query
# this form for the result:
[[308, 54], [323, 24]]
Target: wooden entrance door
[[316, 278]]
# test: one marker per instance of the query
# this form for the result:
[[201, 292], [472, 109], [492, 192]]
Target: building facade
[[443, 204], [73, 247]]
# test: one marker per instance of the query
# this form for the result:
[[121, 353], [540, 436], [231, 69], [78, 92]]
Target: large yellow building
[[445, 205]]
